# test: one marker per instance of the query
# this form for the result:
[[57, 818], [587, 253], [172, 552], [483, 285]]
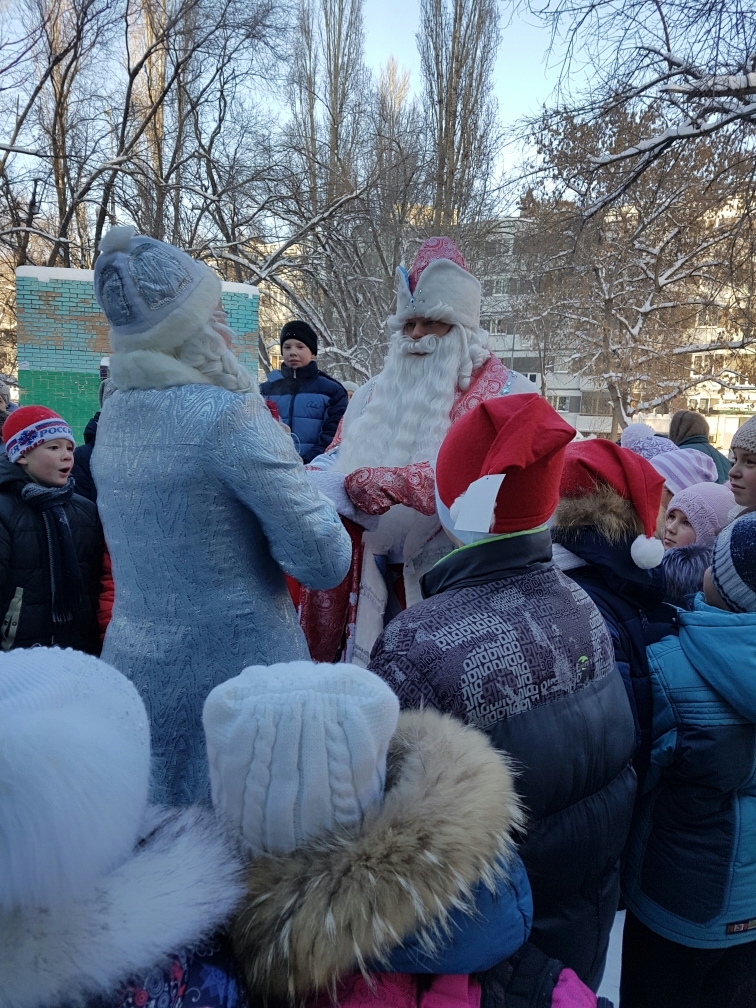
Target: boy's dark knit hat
[[733, 565], [300, 330]]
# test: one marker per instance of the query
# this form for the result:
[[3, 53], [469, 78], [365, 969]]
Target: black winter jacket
[[631, 600], [506, 642], [25, 571], [310, 402], [81, 472]]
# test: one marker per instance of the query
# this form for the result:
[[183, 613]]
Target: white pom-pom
[[636, 432], [118, 238], [647, 552]]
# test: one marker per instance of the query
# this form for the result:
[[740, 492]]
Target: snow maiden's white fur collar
[[178, 887], [152, 369]]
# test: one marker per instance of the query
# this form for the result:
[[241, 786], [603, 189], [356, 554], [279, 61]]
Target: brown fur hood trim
[[611, 515], [333, 906]]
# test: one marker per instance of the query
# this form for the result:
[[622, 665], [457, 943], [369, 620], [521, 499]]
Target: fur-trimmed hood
[[178, 887], [335, 905], [611, 515]]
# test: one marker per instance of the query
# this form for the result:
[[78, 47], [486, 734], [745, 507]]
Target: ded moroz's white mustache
[[425, 345]]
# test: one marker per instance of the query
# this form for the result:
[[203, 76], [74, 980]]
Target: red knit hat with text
[[519, 436], [30, 426], [588, 463]]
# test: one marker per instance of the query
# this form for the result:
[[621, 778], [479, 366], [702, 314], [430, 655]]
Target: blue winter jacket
[[690, 872], [631, 601], [310, 402], [475, 942]]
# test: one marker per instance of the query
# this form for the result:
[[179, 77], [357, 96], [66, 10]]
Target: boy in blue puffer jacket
[[309, 402], [690, 873]]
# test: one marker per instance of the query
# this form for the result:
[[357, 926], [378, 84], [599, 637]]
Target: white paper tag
[[477, 506]]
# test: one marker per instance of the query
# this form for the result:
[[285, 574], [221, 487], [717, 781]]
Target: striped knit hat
[[30, 426], [684, 467], [733, 566]]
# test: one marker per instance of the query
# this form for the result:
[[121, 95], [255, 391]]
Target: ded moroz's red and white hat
[[30, 426], [499, 467], [438, 286]]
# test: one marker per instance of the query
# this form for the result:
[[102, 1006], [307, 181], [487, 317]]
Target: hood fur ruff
[[331, 907], [178, 887], [610, 514]]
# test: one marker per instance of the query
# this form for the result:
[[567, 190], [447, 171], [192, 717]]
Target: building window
[[709, 316], [499, 246], [565, 403], [533, 377], [499, 287], [596, 404], [526, 364]]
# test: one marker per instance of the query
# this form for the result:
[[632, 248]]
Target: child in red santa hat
[[51, 542], [603, 533]]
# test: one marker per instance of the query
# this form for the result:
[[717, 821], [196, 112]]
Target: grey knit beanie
[[745, 436], [733, 565]]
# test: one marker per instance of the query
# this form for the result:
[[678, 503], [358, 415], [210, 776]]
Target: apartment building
[[581, 401]]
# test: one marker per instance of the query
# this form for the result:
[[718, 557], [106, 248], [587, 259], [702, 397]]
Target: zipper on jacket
[[10, 623], [291, 404]]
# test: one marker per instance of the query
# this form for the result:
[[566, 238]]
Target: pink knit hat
[[684, 467], [705, 505]]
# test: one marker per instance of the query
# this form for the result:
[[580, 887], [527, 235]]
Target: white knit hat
[[745, 436], [296, 750], [74, 774]]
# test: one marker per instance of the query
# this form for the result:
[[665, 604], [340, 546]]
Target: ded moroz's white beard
[[409, 411]]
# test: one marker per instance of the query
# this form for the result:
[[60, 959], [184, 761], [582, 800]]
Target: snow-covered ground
[[610, 984]]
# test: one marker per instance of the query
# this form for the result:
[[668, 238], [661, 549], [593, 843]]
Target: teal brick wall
[[63, 335]]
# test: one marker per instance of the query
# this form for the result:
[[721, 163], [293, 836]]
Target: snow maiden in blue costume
[[204, 503]]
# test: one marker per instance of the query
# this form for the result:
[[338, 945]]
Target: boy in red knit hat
[[504, 641], [51, 542]]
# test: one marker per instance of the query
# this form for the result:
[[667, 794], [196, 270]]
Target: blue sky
[[522, 80]]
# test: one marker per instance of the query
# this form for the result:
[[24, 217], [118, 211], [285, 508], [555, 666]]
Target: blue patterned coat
[[205, 503]]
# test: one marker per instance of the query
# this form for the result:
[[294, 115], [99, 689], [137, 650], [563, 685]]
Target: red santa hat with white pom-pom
[[589, 463]]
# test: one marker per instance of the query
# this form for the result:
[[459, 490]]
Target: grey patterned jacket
[[204, 503], [510, 644]]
